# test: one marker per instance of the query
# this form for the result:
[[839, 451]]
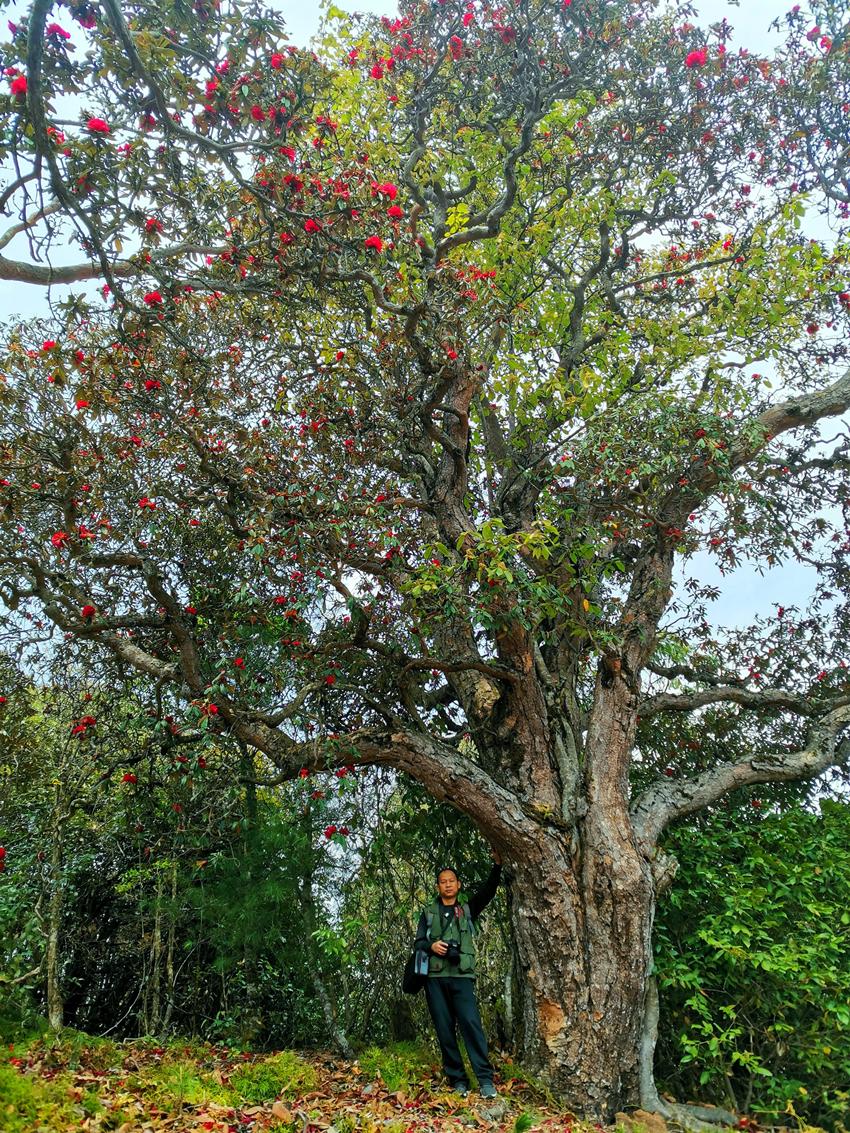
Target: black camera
[[453, 952]]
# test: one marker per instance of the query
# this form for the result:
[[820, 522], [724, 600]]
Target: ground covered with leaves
[[78, 1082]]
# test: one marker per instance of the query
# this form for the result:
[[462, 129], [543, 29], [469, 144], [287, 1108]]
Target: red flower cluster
[[387, 189], [153, 299], [82, 725], [129, 777], [374, 242], [19, 86], [696, 58], [98, 126], [88, 612]]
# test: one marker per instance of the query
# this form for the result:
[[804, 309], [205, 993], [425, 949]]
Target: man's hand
[[440, 947]]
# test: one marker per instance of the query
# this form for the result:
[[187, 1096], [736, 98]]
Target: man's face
[[448, 885]]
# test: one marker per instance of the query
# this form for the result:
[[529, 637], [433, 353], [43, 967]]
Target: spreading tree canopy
[[428, 369]]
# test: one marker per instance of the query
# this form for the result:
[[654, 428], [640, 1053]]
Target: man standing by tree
[[446, 932]]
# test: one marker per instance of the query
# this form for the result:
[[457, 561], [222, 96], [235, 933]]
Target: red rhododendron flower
[[129, 777], [153, 225], [330, 679], [82, 403], [277, 60], [396, 212], [696, 58], [375, 242], [150, 384], [468, 17], [456, 47], [239, 662], [330, 831], [88, 612], [153, 299], [377, 71], [258, 114], [59, 539], [48, 344], [311, 225], [98, 126], [55, 29], [144, 502], [19, 85], [387, 189]]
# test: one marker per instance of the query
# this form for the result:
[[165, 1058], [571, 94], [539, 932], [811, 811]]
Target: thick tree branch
[[794, 413], [731, 694], [666, 801]]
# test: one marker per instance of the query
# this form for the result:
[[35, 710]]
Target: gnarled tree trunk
[[582, 919]]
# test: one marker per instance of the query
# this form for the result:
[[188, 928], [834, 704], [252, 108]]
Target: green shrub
[[753, 963]]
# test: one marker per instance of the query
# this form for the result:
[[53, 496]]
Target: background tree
[[436, 356]]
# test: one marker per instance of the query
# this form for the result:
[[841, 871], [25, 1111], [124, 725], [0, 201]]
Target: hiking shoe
[[487, 1090], [460, 1088]]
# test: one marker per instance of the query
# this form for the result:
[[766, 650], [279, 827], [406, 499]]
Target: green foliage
[[282, 1075], [182, 1083], [28, 1102], [753, 962], [400, 1066]]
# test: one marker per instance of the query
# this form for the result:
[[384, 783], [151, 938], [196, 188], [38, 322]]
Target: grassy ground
[[77, 1082]]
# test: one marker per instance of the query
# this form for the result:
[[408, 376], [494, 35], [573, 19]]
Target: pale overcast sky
[[746, 592]]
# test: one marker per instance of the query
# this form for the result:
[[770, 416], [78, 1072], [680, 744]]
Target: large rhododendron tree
[[424, 367]]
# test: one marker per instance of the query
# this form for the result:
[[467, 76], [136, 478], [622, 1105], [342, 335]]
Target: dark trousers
[[452, 1003]]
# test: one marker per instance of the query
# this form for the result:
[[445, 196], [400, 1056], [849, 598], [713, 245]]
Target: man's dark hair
[[446, 869]]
